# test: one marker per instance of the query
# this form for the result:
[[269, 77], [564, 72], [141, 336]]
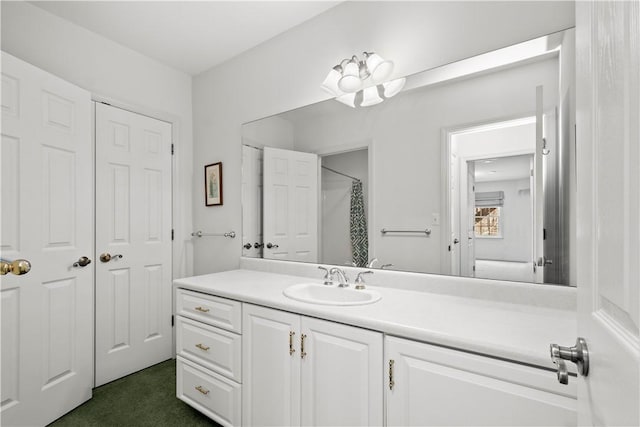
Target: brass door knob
[[106, 257], [83, 261], [17, 267]]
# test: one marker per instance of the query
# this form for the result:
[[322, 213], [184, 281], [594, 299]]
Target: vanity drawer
[[214, 395], [216, 349], [220, 312]]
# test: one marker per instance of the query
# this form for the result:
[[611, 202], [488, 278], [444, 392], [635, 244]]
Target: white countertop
[[506, 330]]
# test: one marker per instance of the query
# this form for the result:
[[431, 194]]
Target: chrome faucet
[[343, 280], [360, 280], [372, 262], [327, 279]]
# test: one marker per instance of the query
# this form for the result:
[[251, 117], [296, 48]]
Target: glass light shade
[[350, 81], [393, 87], [330, 84], [348, 99], [370, 97], [379, 68]]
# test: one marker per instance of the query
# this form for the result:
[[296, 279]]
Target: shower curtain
[[358, 226]]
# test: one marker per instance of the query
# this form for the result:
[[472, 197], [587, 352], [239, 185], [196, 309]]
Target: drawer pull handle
[[291, 349], [302, 352], [204, 310], [202, 390], [202, 347], [391, 382]]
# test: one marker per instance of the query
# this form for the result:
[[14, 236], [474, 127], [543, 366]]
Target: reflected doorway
[[492, 201]]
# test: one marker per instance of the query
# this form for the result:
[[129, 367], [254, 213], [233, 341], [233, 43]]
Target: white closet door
[[133, 217], [47, 218]]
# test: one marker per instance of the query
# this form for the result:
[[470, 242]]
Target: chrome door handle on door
[[578, 354], [106, 257], [83, 261]]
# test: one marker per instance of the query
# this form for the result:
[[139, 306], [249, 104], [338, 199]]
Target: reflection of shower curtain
[[358, 226]]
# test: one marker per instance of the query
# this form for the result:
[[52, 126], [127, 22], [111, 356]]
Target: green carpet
[[146, 398]]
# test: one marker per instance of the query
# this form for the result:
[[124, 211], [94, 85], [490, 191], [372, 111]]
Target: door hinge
[[172, 234], [449, 248], [172, 320], [173, 149], [544, 234], [105, 103]]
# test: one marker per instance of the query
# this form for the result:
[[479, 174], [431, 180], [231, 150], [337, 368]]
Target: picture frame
[[213, 184]]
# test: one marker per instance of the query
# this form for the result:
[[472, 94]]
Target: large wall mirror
[[469, 171]]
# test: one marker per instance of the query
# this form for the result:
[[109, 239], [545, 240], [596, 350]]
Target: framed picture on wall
[[213, 184]]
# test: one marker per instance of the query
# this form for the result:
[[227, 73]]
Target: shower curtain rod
[[340, 173]]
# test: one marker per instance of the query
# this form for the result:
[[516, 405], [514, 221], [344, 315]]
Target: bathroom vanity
[[249, 355]]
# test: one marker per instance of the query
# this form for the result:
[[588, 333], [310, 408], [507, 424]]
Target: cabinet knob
[[202, 347], [302, 352], [291, 349], [271, 245], [202, 390]]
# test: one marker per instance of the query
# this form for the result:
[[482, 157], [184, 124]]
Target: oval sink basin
[[315, 293]]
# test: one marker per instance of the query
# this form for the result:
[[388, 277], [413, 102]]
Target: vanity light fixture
[[346, 81]]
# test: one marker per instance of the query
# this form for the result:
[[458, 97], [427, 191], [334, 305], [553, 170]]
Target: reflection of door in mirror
[[290, 216], [252, 201], [492, 191]]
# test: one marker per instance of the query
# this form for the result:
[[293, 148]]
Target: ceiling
[[191, 36], [503, 168]]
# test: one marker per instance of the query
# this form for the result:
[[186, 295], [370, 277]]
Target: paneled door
[[608, 148], [47, 218], [251, 202], [290, 205], [133, 242]]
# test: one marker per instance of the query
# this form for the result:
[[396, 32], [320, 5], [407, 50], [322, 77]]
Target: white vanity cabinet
[[209, 354], [301, 370], [429, 385]]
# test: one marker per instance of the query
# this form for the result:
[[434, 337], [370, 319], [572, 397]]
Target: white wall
[[286, 72], [336, 203], [515, 219], [120, 75], [273, 132]]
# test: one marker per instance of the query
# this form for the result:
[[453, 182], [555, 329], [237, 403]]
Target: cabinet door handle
[[204, 310], [302, 352], [202, 347], [391, 382], [202, 390], [291, 349]]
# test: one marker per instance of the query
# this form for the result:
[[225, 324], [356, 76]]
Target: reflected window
[[487, 222]]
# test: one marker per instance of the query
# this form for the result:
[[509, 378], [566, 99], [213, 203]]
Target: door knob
[[270, 245], [17, 267], [257, 245], [106, 257], [247, 246], [542, 261], [456, 241], [83, 261], [578, 354]]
